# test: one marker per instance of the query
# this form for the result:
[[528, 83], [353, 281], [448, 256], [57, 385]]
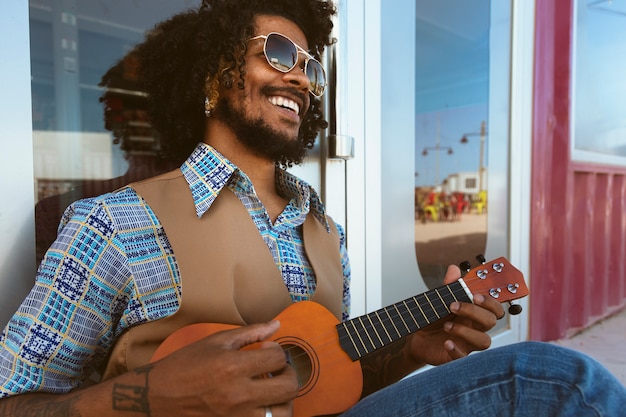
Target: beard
[[259, 137]]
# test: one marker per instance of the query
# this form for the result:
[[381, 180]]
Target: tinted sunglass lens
[[317, 77], [281, 53]]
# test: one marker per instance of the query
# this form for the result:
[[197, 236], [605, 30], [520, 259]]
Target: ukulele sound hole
[[299, 360], [303, 358]]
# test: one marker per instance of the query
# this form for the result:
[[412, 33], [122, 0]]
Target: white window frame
[[581, 155], [17, 220]]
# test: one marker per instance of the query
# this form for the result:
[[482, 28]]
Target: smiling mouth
[[285, 103]]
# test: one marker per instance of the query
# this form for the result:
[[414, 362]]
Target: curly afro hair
[[194, 48]]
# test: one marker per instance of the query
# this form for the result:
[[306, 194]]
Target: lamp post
[[437, 148], [481, 167]]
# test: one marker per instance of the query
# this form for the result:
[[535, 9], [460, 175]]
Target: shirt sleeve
[[345, 263], [66, 323]]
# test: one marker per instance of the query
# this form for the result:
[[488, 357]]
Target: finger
[[280, 388], [481, 317], [476, 339], [265, 360], [453, 350], [247, 335], [453, 273], [490, 304], [255, 353]]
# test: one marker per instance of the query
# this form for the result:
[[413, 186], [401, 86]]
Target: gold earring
[[207, 107], [211, 91]]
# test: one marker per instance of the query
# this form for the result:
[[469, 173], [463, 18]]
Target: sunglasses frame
[[300, 50]]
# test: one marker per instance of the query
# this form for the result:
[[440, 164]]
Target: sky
[[452, 81], [447, 127]]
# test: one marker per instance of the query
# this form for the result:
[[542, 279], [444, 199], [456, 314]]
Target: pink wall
[[578, 211]]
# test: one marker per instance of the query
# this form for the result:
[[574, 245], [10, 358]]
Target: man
[[131, 267]]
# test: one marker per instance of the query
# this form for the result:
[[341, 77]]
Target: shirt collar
[[207, 172]]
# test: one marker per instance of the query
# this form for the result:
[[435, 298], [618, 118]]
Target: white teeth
[[285, 102]]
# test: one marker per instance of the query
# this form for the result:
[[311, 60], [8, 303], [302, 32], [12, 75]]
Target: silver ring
[[268, 412]]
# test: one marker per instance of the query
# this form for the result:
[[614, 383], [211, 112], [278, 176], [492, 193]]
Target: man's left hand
[[457, 335]]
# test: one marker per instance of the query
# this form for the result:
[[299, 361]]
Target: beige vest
[[227, 272]]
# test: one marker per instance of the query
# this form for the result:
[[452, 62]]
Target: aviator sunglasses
[[282, 55]]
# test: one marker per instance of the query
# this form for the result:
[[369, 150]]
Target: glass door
[[91, 133], [461, 134], [445, 139]]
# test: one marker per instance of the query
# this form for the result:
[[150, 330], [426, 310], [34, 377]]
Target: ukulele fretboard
[[365, 334]]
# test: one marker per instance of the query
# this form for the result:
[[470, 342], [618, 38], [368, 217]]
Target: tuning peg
[[465, 267], [481, 258], [514, 309]]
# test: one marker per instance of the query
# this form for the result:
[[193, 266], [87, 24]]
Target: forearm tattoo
[[133, 397], [126, 397], [383, 367]]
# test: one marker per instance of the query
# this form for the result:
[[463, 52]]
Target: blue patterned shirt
[[112, 267]]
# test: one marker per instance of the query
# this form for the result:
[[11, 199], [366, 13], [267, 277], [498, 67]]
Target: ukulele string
[[387, 316], [395, 317]]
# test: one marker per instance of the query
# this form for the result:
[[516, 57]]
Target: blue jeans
[[525, 379]]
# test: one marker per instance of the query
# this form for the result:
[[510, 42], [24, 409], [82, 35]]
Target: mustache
[[270, 90]]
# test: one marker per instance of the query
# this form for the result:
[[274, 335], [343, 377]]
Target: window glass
[[452, 90], [91, 133], [599, 86], [461, 133]]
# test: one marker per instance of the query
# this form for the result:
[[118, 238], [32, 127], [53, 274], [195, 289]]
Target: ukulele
[[325, 353]]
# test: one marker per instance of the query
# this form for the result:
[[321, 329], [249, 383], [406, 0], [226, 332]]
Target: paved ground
[[605, 342], [440, 244]]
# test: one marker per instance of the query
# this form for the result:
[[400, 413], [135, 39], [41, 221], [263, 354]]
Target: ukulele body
[[330, 382]]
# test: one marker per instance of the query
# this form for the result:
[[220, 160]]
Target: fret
[[363, 335], [399, 335], [402, 327], [438, 291], [379, 328], [426, 308], [372, 334], [358, 336], [407, 318], [347, 342], [431, 304], [453, 292], [447, 295], [414, 323], [458, 291], [417, 312], [440, 305], [383, 327]]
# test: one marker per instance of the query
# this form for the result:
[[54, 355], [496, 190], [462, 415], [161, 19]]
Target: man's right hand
[[215, 377], [211, 377]]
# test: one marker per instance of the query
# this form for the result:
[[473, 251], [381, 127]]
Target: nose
[[297, 77]]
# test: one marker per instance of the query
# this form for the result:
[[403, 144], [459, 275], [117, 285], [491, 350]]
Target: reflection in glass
[[452, 103], [125, 116], [91, 133], [451, 210]]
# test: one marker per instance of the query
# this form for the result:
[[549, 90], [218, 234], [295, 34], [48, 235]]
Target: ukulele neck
[[365, 334]]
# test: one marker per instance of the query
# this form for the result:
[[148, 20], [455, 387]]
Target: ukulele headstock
[[497, 279]]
